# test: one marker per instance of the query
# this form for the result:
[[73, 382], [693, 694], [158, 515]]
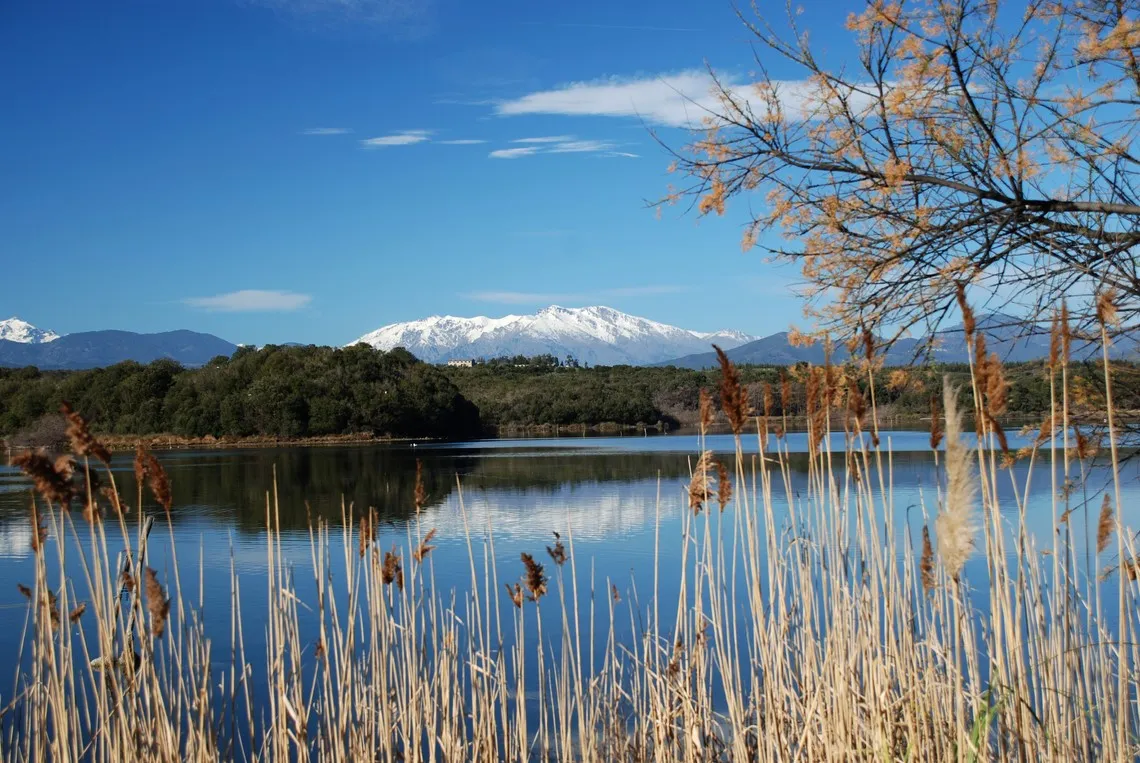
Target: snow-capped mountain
[[594, 335], [16, 330]]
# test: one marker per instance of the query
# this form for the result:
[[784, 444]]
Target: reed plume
[[39, 531], [785, 392], [868, 346], [955, 524], [856, 404], [392, 571], [1104, 524], [77, 613], [733, 395], [149, 468], [1066, 333], [1055, 342], [723, 485], [83, 443], [419, 496], [926, 565], [969, 324], [699, 482], [424, 548], [53, 485], [156, 603], [558, 553], [614, 592], [534, 579], [1107, 313], [706, 410], [935, 423], [514, 590], [767, 400], [365, 536]]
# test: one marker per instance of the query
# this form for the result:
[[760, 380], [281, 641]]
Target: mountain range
[[594, 335], [22, 344]]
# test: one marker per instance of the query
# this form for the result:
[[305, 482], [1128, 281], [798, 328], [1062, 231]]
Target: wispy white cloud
[[326, 131], [514, 153], [547, 298], [559, 144], [544, 139], [681, 99], [581, 147], [462, 142], [623, 154], [250, 301], [402, 138]]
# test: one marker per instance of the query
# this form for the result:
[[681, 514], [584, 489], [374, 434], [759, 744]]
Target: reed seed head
[[156, 603], [27, 592], [768, 400], [935, 423], [558, 553], [534, 579], [420, 494], [733, 395], [969, 324], [723, 485], [1104, 524], [927, 563], [1107, 313], [785, 392], [423, 549], [706, 409], [54, 486], [77, 613], [83, 443], [699, 482], [955, 523], [614, 592], [515, 591], [1066, 333], [393, 570]]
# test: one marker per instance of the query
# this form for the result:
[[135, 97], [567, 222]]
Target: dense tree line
[[313, 391], [519, 395], [278, 391]]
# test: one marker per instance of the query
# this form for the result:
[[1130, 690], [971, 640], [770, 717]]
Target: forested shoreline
[[308, 393]]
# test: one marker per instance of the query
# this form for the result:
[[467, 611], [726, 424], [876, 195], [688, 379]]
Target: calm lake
[[619, 499]]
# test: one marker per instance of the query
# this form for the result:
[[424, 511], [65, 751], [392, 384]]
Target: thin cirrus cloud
[[402, 138], [251, 301], [681, 99], [370, 11], [545, 139], [546, 298], [462, 142], [326, 131], [514, 153], [560, 144]]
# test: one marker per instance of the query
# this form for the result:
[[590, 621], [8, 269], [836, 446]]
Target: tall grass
[[819, 635]]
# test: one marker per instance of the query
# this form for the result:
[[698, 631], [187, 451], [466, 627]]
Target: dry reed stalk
[[423, 549], [1104, 525], [1066, 333], [768, 402], [856, 404], [733, 395], [83, 443], [955, 523], [785, 392], [156, 603]]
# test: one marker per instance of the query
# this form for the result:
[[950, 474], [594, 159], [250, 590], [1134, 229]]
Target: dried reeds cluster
[[733, 394]]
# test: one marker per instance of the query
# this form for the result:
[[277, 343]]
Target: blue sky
[[309, 170]]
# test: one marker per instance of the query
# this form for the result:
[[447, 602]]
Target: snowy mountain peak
[[597, 335], [16, 330]]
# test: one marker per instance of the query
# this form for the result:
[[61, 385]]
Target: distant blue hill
[[94, 349], [1011, 339]]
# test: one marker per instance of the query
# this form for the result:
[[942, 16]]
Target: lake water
[[618, 498]]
